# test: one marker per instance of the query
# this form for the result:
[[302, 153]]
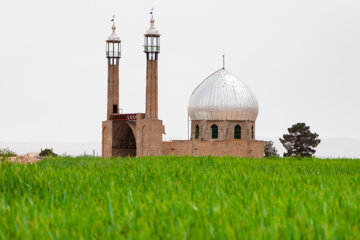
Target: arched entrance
[[124, 143]]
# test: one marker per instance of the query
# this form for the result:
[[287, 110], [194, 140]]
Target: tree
[[270, 150], [300, 141], [47, 153]]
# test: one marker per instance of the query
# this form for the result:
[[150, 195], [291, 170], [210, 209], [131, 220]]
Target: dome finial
[[152, 30], [152, 21], [113, 35], [113, 26], [223, 56]]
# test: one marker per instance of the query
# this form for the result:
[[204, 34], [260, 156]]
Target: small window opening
[[237, 132], [197, 131], [115, 108], [252, 132], [214, 131]]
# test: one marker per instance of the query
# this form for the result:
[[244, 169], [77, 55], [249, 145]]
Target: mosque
[[222, 109]]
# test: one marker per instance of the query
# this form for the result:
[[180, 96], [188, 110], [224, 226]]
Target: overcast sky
[[300, 58]]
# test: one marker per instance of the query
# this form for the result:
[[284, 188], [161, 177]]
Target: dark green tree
[[300, 141], [47, 153], [270, 150]]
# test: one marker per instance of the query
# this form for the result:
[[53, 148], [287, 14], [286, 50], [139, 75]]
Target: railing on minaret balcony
[[152, 46], [123, 117], [113, 52]]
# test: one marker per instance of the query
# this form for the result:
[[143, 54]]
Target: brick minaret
[[152, 50], [150, 129], [113, 54]]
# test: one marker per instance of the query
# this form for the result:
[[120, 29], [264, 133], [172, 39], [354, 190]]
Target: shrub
[[6, 152], [47, 153], [270, 150]]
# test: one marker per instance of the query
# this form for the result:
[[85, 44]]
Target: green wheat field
[[180, 198]]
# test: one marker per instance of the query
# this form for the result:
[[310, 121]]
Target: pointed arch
[[214, 131], [197, 131], [124, 142], [237, 132]]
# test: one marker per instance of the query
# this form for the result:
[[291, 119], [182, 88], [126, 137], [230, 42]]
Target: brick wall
[[149, 137], [225, 128], [234, 147], [107, 136]]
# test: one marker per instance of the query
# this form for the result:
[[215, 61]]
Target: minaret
[[149, 129], [152, 50], [113, 54]]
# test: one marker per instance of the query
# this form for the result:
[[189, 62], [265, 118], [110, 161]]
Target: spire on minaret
[[223, 61], [113, 36], [152, 30], [152, 21], [152, 13]]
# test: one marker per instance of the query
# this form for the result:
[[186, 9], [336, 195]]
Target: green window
[[252, 132], [237, 132], [197, 131], [214, 131]]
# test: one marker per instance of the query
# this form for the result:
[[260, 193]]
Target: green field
[[180, 198]]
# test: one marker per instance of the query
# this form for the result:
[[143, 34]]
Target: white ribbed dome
[[223, 96]]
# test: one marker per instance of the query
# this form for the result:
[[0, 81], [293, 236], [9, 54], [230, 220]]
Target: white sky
[[300, 58]]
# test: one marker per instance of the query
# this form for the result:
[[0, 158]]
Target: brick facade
[[234, 147], [118, 138], [151, 89], [225, 129], [143, 137], [113, 89]]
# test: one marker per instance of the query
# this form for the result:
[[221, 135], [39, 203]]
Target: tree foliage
[[270, 150], [47, 153], [300, 141]]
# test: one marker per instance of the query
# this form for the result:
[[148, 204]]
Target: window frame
[[197, 131], [214, 131], [237, 131]]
